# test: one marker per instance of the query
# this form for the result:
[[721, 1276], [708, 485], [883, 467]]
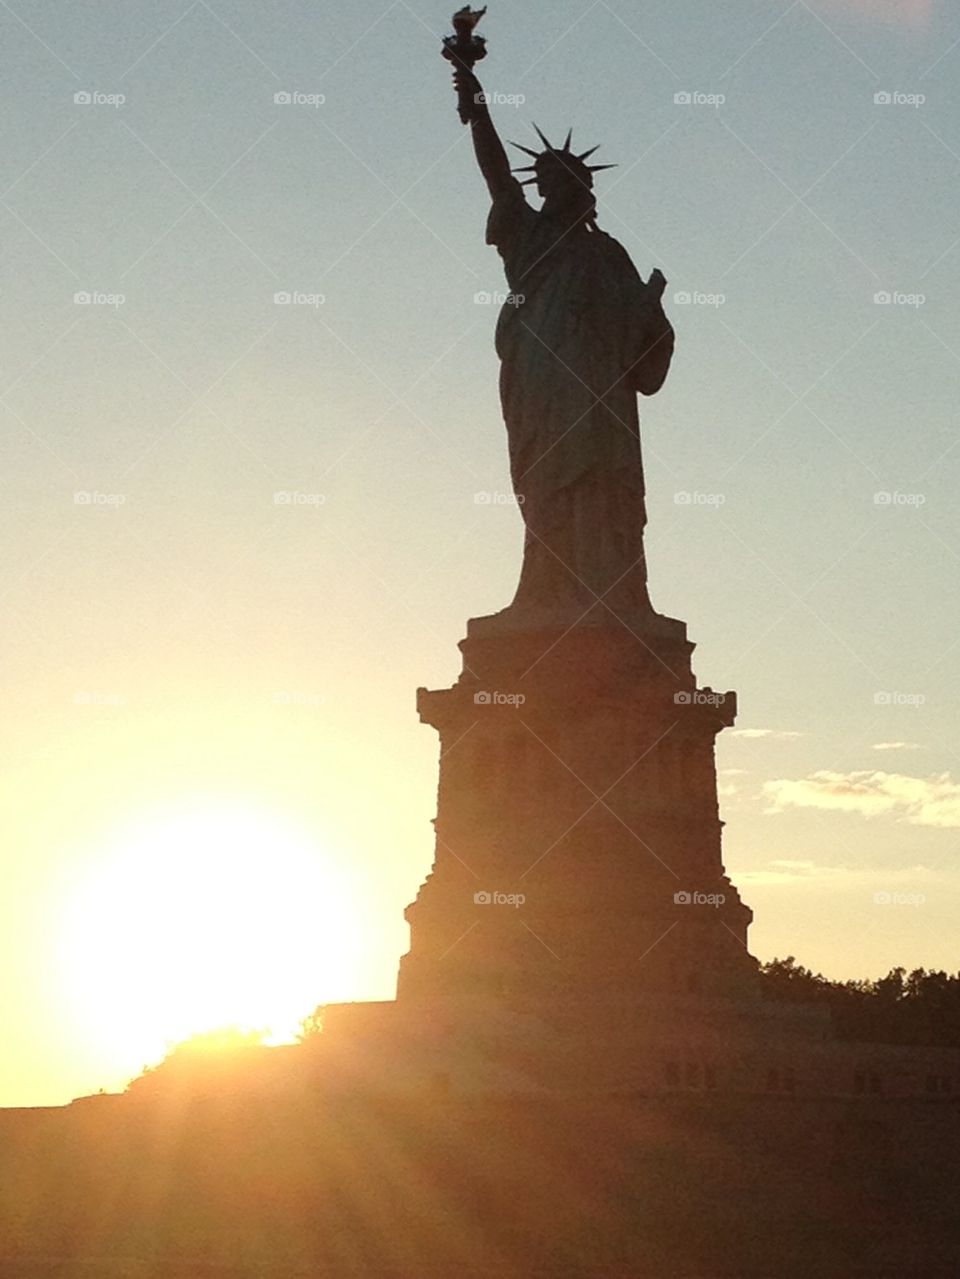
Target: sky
[[208, 689]]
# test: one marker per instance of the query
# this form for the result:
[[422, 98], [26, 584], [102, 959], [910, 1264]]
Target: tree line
[[921, 1007]]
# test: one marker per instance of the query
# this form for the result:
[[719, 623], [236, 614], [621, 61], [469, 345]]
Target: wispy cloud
[[922, 801], [897, 746], [777, 734], [799, 874], [728, 781], [785, 870]]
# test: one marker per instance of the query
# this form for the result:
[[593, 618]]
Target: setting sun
[[215, 915]]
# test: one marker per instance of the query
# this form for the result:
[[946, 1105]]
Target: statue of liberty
[[579, 336]]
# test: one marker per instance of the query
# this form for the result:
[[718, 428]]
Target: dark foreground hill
[[176, 1185]]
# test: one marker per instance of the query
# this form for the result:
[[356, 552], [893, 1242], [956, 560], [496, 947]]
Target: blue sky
[[181, 634]]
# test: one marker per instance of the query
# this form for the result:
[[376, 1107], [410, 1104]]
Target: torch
[[464, 50]]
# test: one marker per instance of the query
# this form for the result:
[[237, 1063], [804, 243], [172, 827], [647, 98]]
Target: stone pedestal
[[578, 841]]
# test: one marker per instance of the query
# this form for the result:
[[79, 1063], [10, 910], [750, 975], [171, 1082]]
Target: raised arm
[[491, 156]]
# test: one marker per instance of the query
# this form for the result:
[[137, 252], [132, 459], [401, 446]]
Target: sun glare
[[221, 915]]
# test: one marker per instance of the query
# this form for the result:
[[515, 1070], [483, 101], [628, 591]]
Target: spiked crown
[[576, 165]]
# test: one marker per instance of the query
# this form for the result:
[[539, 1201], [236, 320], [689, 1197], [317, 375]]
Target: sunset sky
[[215, 795]]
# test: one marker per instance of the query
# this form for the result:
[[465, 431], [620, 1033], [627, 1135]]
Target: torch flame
[[468, 18]]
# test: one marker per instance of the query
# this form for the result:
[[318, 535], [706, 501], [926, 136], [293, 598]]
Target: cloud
[[728, 781], [798, 874], [777, 734], [786, 870], [921, 801], [897, 746]]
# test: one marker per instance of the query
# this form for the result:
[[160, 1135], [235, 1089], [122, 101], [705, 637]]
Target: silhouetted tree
[[201, 1056], [312, 1025], [916, 1008]]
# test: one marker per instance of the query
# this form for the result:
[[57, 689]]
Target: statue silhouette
[[579, 336]]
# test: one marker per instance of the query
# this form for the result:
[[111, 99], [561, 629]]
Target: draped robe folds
[[579, 336]]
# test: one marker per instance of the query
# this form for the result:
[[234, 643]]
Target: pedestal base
[[578, 839]]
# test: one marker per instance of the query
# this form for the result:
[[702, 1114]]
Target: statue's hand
[[657, 282], [468, 89]]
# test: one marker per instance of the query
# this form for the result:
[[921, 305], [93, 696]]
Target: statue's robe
[[580, 335]]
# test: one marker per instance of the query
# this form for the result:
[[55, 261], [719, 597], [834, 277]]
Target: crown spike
[[595, 168], [526, 150], [549, 145], [587, 154], [525, 168], [529, 182], [566, 145]]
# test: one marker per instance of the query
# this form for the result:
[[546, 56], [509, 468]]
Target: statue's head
[[563, 179]]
